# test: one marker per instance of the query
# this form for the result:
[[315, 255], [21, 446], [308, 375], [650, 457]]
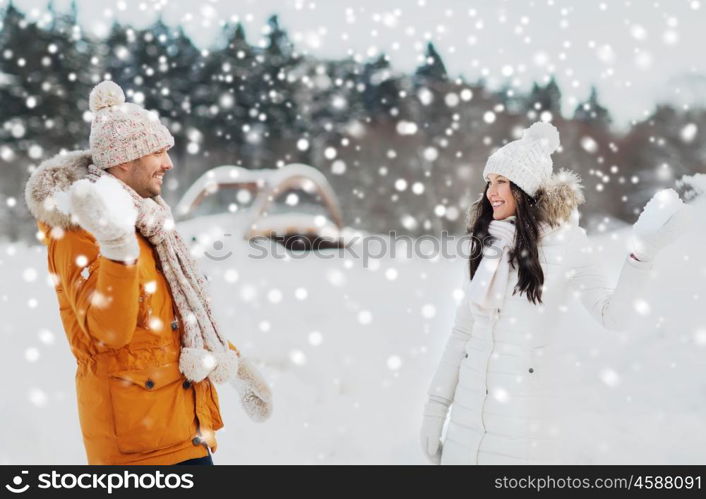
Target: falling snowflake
[[394, 362], [315, 338], [610, 377], [365, 317]]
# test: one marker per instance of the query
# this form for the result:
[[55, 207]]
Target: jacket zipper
[[495, 317]]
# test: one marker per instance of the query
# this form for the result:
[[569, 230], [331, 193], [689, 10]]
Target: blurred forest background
[[403, 152]]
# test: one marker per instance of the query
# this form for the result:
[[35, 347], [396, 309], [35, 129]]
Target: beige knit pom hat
[[527, 162], [120, 131]]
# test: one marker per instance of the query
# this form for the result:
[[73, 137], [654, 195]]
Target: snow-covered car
[[294, 205]]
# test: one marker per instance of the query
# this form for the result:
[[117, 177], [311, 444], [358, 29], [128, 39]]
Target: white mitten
[[255, 394], [226, 366], [663, 219], [106, 210], [435, 411], [196, 363]]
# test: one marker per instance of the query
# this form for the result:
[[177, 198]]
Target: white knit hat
[[527, 162], [122, 132]]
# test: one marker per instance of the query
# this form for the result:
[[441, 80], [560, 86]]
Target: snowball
[[120, 210], [657, 211]]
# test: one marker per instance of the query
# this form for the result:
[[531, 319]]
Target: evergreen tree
[[592, 111], [381, 93], [433, 68], [22, 73], [276, 87], [72, 70], [547, 98], [225, 81]]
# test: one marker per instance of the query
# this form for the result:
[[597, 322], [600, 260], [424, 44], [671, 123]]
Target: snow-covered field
[[350, 351]]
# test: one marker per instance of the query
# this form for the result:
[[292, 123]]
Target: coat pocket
[[214, 406], [152, 410]]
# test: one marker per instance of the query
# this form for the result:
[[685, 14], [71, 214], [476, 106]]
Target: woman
[[528, 257]]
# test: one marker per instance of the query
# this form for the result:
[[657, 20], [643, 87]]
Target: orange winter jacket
[[135, 406]]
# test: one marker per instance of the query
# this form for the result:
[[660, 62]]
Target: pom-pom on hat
[[120, 131], [526, 162]]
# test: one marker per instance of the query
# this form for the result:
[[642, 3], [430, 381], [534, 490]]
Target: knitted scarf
[[489, 284], [205, 350]]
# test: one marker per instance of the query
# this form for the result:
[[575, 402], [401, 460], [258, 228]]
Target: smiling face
[[145, 175], [499, 194]]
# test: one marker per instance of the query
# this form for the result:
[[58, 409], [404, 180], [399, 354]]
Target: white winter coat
[[494, 369]]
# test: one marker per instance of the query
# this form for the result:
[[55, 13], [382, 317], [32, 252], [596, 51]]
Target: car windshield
[[298, 201]]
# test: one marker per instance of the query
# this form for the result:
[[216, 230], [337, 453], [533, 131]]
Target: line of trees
[[402, 151]]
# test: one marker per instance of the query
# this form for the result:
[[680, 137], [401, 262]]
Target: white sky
[[635, 52]]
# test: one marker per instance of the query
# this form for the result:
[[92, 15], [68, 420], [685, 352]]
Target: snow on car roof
[[267, 180]]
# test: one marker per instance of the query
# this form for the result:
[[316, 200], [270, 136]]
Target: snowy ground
[[350, 351]]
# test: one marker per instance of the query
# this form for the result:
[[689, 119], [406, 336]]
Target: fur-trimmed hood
[[558, 199], [52, 176]]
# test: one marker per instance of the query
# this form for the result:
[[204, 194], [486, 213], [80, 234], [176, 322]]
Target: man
[[132, 302]]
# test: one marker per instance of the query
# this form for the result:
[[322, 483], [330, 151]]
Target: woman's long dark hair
[[525, 255]]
